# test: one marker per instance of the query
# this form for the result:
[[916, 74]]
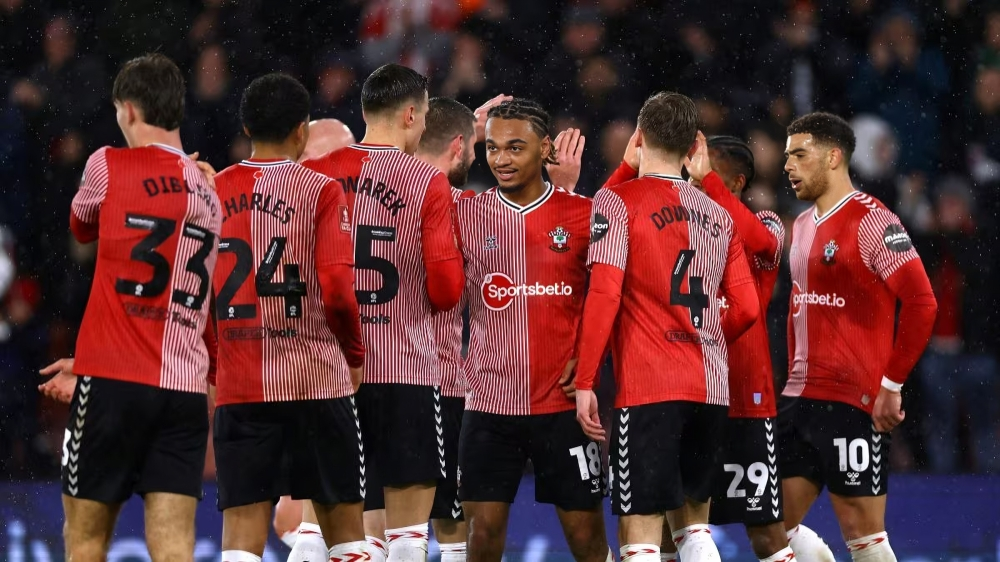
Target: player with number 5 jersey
[[660, 252], [408, 266]]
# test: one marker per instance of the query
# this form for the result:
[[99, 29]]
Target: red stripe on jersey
[[842, 315], [148, 308], [525, 280], [274, 340], [387, 192], [448, 336], [673, 243]]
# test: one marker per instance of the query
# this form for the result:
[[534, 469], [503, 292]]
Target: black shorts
[[307, 449], [494, 449], [446, 502], [403, 431], [748, 484], [663, 453], [125, 437], [833, 444]]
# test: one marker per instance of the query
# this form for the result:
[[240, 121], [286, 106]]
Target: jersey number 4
[[160, 230], [695, 299], [292, 289]]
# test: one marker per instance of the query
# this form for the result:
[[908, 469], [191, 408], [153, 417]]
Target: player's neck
[[145, 135], [839, 188], [385, 135], [268, 151], [652, 163], [528, 194], [441, 163]]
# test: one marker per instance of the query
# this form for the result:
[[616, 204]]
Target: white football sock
[[239, 556], [309, 545], [808, 546], [783, 555], [694, 544], [639, 553], [611, 556], [452, 552], [407, 544], [873, 548], [377, 549], [356, 551], [289, 538], [668, 556]]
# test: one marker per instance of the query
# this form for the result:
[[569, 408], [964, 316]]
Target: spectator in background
[[581, 36], [958, 373], [20, 21], [211, 124], [874, 160], [414, 34], [338, 92], [903, 81]]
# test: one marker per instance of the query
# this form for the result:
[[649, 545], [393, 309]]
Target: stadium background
[[920, 79]]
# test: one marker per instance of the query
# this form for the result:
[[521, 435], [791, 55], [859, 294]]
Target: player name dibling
[[499, 290], [377, 190], [169, 185]]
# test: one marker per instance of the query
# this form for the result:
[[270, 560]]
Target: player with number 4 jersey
[[660, 252]]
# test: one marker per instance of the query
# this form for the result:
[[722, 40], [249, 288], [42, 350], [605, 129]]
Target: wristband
[[891, 385]]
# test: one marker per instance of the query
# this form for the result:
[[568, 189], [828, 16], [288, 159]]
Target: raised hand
[[482, 111], [568, 148]]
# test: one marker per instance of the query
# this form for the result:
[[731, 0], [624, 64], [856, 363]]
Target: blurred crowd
[[920, 81]]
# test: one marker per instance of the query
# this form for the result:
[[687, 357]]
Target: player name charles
[[277, 208]]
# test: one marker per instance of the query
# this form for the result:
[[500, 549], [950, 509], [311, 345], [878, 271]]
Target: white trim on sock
[[783, 555], [354, 551], [310, 529], [453, 551], [239, 556], [639, 552]]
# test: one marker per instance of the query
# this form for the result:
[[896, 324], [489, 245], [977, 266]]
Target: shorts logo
[[829, 251], [560, 238], [896, 239], [499, 290], [491, 243], [599, 227], [853, 477], [800, 298]]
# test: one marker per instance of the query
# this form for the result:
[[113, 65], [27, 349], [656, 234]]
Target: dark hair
[[523, 109], [826, 128], [155, 85], [273, 106], [390, 86], [669, 122], [446, 119], [737, 152]]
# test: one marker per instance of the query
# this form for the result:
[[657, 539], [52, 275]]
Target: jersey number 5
[[695, 299], [292, 288], [160, 230], [366, 236]]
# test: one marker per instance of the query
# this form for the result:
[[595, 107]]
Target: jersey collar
[[840, 205], [374, 147], [266, 163], [665, 177], [168, 148], [524, 210]]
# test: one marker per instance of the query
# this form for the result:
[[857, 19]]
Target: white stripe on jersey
[[714, 254], [185, 358], [499, 350], [803, 235]]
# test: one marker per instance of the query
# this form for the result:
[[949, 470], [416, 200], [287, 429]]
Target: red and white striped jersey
[[526, 273], [843, 314], [158, 224], [675, 245], [448, 335], [403, 217], [281, 221]]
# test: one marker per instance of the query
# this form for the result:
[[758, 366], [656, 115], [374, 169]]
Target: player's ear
[[741, 183], [132, 113], [638, 138], [456, 147], [836, 158], [302, 133], [409, 116]]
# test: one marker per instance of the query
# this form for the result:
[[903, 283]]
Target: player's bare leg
[[287, 518], [450, 532], [668, 550], [374, 521], [862, 524], [639, 536], [798, 495], [170, 526], [342, 527], [585, 535], [487, 530], [692, 537], [88, 528], [407, 511], [244, 528], [767, 540]]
